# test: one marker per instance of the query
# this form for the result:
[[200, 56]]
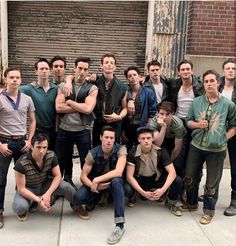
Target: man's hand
[[111, 117], [4, 150], [46, 198], [27, 146], [103, 186], [202, 124], [148, 195], [157, 194], [94, 186], [161, 122], [131, 107], [67, 89]]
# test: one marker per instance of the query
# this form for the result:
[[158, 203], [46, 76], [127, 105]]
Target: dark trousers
[[232, 159]]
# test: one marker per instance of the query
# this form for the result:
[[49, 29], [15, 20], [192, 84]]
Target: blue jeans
[[232, 159], [65, 144], [214, 167], [21, 204], [147, 183], [85, 196], [15, 146]]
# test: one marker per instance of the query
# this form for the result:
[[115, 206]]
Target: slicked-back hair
[[82, 59], [57, 58], [230, 60], [107, 128], [9, 69], [184, 62], [153, 63], [211, 71], [41, 60], [167, 106], [39, 137], [108, 55], [135, 68]]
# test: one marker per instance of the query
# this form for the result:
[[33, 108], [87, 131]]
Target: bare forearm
[[159, 136], [32, 127], [28, 194], [134, 183], [169, 180], [54, 185], [231, 132], [175, 153]]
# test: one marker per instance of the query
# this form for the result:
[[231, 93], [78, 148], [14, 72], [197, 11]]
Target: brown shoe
[[22, 217], [83, 214], [206, 219], [1, 220]]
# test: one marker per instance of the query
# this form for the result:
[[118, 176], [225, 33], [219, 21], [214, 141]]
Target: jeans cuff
[[170, 201], [209, 212], [119, 220]]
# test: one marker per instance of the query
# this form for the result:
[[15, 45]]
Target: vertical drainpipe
[[4, 34], [149, 35]]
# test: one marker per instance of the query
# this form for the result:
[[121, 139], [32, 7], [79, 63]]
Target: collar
[[153, 150]]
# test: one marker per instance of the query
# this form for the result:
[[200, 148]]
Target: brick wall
[[211, 28]]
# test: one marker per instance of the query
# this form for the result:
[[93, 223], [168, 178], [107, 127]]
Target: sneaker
[[83, 214], [116, 235], [188, 208], [206, 219], [1, 220], [22, 217], [34, 207], [131, 203], [173, 208]]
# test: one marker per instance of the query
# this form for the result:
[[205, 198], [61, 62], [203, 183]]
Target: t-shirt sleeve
[[31, 105], [19, 168], [165, 158], [54, 161], [130, 159], [89, 159], [122, 151]]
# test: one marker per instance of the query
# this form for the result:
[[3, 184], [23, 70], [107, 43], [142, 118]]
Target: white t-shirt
[[159, 91], [227, 93]]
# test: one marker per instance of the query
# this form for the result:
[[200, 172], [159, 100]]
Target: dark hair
[[184, 62], [39, 137], [153, 63], [211, 71], [57, 58], [8, 70], [131, 68], [230, 60], [41, 60], [144, 129], [82, 59], [167, 106], [107, 128], [108, 55]]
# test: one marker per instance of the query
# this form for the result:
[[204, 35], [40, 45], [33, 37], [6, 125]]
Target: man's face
[[230, 71], [81, 71], [210, 83], [108, 65], [154, 72], [145, 140], [13, 79], [185, 71], [43, 71], [108, 140], [39, 149], [58, 68], [165, 116], [133, 77]]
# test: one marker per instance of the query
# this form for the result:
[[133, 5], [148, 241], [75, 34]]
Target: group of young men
[[150, 137]]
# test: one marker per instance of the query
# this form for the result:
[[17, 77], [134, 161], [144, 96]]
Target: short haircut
[[39, 137], [41, 60], [82, 59], [167, 106], [107, 128], [8, 70], [131, 68], [211, 71], [108, 55], [57, 58], [184, 62], [144, 129], [230, 60], [153, 63]]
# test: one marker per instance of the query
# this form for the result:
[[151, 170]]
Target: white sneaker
[[116, 235]]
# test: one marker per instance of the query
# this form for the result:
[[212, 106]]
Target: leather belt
[[12, 137]]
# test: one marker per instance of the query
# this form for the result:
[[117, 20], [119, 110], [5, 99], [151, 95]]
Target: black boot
[[231, 210]]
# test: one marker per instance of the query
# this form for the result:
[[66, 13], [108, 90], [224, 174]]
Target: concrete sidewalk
[[148, 223]]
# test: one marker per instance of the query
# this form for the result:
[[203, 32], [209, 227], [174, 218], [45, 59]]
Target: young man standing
[[169, 130], [14, 109], [151, 173], [103, 169], [38, 178], [228, 89], [76, 117], [213, 120], [43, 94], [58, 67]]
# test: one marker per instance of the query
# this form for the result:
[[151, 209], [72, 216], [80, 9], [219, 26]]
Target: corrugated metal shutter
[[72, 29]]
